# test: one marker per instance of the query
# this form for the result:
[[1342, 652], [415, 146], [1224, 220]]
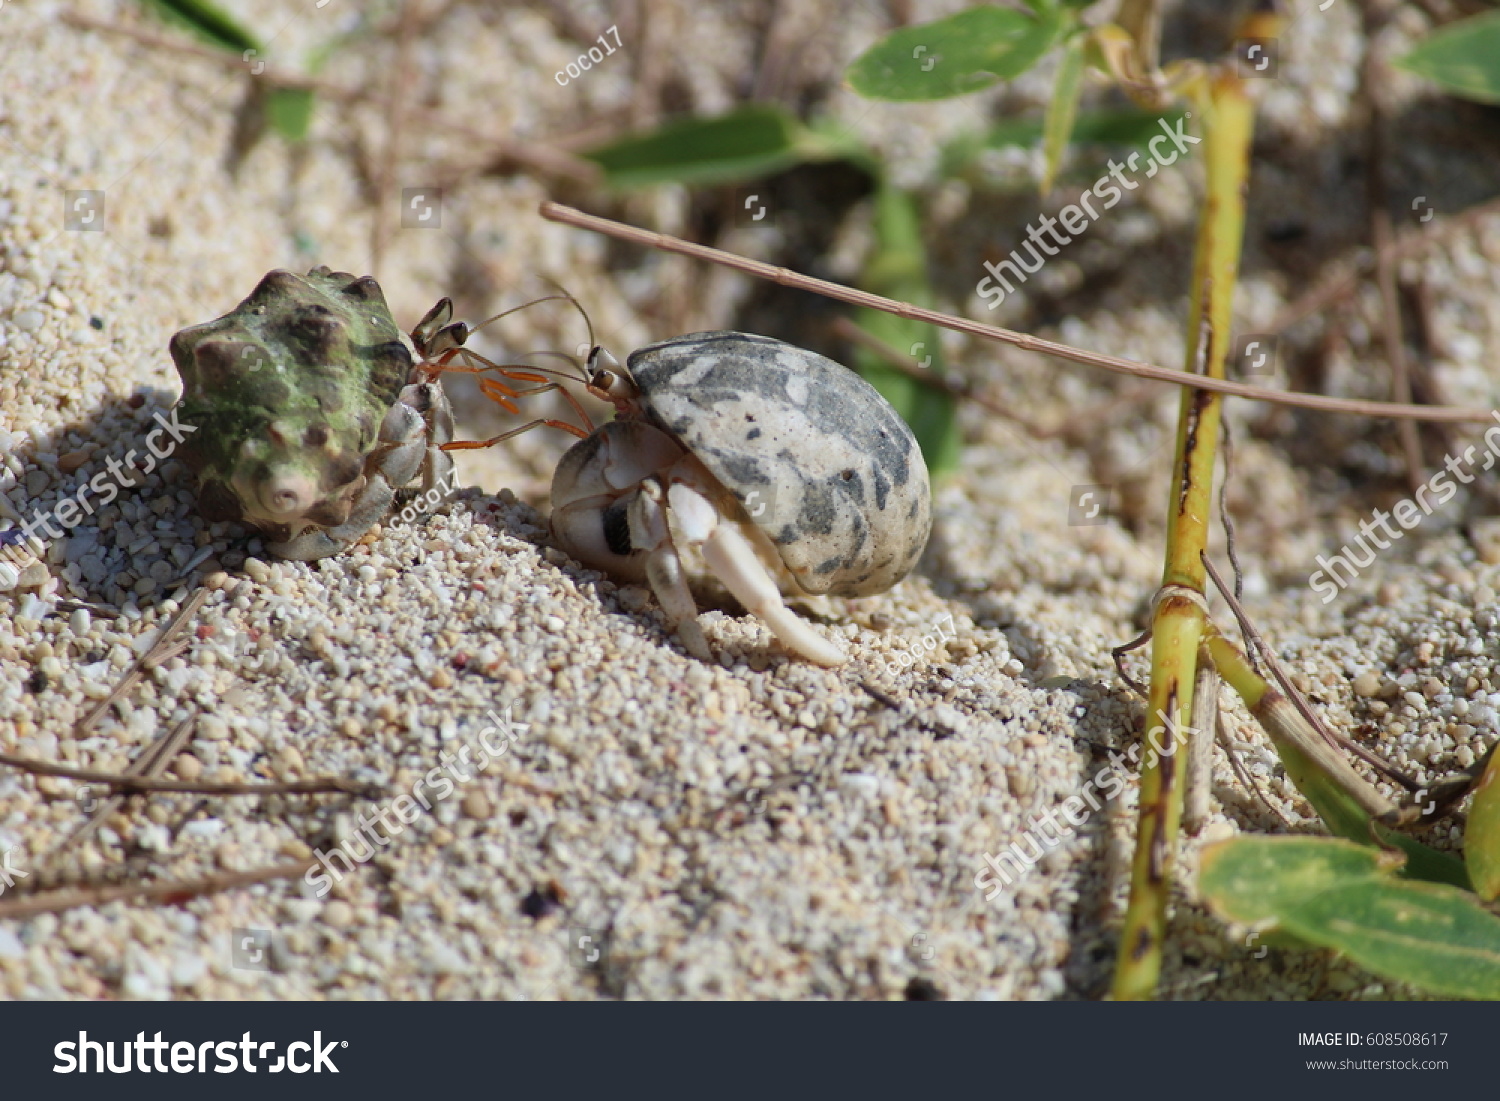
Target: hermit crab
[[741, 463], [310, 413]]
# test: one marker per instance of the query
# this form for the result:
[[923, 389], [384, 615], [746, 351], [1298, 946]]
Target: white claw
[[734, 562]]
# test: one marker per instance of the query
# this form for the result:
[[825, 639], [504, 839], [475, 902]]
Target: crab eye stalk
[[606, 379], [433, 320]]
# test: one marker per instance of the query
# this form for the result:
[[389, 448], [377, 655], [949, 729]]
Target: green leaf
[[898, 269], [1344, 896], [951, 57], [1462, 58], [1482, 832], [1436, 937], [289, 111], [1249, 881], [208, 21], [1344, 814], [1062, 110], [744, 144]]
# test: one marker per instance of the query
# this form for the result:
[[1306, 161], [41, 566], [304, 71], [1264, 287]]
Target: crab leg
[[402, 450], [649, 530], [734, 562]]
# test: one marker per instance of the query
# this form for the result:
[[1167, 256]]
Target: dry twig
[[557, 212], [129, 783], [175, 890]]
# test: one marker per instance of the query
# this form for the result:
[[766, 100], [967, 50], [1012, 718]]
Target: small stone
[[211, 728], [440, 678], [338, 913], [476, 805], [258, 570], [187, 767], [1366, 684], [301, 910], [1485, 535], [80, 622], [28, 321], [188, 968], [72, 460], [34, 576], [541, 902]]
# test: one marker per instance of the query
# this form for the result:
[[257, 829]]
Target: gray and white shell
[[820, 461]]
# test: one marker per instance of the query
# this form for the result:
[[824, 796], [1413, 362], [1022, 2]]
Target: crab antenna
[[563, 292], [564, 296]]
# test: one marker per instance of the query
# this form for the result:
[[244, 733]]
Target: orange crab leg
[[468, 445]]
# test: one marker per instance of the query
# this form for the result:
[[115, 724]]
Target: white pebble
[[80, 622], [29, 321], [33, 607], [864, 784], [205, 828], [187, 969]]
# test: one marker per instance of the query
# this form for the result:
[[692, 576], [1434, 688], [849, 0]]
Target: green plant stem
[[1179, 621]]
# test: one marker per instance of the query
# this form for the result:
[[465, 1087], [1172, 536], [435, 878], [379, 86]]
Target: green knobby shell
[[289, 390]]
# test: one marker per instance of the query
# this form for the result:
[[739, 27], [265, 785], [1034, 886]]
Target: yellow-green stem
[[1226, 116]]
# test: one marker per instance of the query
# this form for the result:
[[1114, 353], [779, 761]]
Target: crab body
[[750, 463], [310, 412]]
